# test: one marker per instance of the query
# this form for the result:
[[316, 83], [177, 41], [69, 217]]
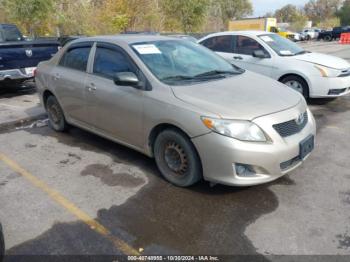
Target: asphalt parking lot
[[76, 193]]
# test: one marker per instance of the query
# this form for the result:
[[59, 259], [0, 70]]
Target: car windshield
[[177, 62], [281, 45]]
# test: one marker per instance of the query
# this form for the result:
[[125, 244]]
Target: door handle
[[91, 87], [238, 58]]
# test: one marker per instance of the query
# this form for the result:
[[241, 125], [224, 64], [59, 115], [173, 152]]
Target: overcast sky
[[261, 7]]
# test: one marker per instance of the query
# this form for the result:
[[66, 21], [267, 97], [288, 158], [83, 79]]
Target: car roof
[[245, 33], [126, 38]]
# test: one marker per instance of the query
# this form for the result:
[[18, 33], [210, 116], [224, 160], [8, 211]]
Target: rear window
[[221, 43], [76, 58], [9, 34]]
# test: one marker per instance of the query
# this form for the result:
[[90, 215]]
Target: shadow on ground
[[162, 218]]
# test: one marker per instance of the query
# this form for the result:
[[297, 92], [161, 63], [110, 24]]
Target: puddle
[[110, 178]]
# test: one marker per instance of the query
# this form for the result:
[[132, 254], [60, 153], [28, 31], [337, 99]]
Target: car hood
[[246, 96], [324, 60]]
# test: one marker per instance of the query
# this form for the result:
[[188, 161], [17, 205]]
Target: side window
[[76, 58], [219, 43], [110, 61], [246, 45]]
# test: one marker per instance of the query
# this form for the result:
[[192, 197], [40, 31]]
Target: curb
[[20, 122]]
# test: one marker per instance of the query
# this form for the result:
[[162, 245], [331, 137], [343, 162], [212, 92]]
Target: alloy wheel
[[295, 85]]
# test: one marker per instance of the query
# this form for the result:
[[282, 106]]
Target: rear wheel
[[297, 83], [55, 113], [177, 159], [327, 38]]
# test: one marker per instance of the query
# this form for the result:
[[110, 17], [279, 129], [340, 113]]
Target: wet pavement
[[306, 212], [19, 104]]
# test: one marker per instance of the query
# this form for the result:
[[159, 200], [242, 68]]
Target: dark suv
[[334, 34]]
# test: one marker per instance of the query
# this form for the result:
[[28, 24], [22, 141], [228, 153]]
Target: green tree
[[319, 10], [72, 17], [287, 14], [344, 13], [233, 9], [188, 14], [31, 15], [329, 23], [298, 23]]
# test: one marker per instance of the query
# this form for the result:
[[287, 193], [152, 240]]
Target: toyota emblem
[[300, 119]]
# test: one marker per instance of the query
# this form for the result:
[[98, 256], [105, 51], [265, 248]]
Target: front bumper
[[14, 74], [219, 154], [322, 87]]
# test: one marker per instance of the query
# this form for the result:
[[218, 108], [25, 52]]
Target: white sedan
[[312, 74]]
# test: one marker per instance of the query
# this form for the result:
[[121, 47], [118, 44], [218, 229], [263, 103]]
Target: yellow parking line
[[70, 207]]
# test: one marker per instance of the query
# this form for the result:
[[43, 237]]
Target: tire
[[57, 121], [2, 245], [327, 38], [298, 84], [177, 158]]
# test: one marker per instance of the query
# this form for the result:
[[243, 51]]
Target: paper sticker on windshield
[[266, 38], [147, 49], [285, 52]]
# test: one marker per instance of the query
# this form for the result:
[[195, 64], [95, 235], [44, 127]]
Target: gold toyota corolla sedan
[[199, 116]]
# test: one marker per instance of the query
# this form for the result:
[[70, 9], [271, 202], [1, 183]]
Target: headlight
[[327, 72], [239, 129]]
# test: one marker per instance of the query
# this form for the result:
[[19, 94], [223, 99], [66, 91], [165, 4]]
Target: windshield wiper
[[216, 73], [302, 52], [177, 78]]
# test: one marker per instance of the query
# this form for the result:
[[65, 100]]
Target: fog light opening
[[243, 170]]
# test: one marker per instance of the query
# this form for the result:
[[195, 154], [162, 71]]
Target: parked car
[[311, 33], [199, 116], [312, 74], [334, 34], [2, 244], [298, 37], [18, 58]]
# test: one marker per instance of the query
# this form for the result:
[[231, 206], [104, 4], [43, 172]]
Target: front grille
[[291, 127], [287, 164], [336, 91]]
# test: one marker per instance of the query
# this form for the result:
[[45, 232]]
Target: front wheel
[[177, 158], [298, 84], [55, 113]]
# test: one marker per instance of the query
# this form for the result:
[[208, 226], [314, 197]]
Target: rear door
[[68, 79], [117, 110], [244, 47]]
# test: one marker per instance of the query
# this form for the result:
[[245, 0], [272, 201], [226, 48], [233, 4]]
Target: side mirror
[[127, 79], [260, 54]]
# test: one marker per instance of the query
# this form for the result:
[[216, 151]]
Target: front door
[[243, 56]]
